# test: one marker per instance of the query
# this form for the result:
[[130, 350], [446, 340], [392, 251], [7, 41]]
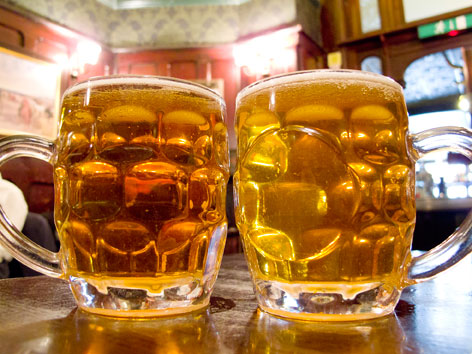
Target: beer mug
[[325, 194], [140, 172]]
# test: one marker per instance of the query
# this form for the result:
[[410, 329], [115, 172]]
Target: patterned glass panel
[[431, 77]]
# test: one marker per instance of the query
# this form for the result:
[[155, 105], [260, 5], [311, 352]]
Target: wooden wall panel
[[11, 36], [36, 38]]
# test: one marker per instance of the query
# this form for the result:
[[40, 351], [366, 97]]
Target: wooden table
[[38, 315]]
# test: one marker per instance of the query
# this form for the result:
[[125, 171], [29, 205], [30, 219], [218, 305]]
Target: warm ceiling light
[[88, 52], [463, 103]]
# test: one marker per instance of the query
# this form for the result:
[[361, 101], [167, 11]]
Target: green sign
[[445, 26]]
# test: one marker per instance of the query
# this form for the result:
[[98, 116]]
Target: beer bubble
[[376, 232], [175, 233], [155, 190], [375, 132], [127, 114], [400, 174], [329, 119], [117, 120], [399, 193], [61, 190], [344, 199], [179, 150], [254, 124], [206, 194], [127, 153], [77, 147], [79, 118], [310, 114], [372, 245], [370, 189], [184, 117], [272, 243], [125, 236], [187, 137], [372, 112], [292, 206], [79, 245], [175, 243], [97, 192], [202, 150], [266, 159], [110, 139], [220, 145], [364, 171], [316, 243]]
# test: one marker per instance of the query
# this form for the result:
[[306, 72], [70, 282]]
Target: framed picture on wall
[[29, 95]]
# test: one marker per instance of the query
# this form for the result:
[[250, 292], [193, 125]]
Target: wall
[[46, 41], [170, 27], [189, 64], [35, 36]]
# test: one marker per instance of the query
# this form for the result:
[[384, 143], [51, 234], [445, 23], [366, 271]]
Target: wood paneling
[[37, 37], [188, 64], [11, 36]]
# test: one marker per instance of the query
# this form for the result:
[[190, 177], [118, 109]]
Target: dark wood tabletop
[[38, 315]]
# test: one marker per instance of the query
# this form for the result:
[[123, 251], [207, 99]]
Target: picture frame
[[29, 94]]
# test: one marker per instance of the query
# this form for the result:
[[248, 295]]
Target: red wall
[[188, 64], [39, 38]]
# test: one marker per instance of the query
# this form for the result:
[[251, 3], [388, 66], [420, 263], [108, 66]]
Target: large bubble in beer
[[302, 184], [253, 124], [266, 159]]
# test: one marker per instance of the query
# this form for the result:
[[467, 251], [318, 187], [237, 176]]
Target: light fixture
[[262, 55], [463, 103], [87, 52]]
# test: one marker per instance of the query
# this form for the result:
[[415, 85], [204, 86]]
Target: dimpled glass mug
[[325, 194], [140, 172]]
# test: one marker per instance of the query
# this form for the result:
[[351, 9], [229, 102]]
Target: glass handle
[[17, 244], [459, 244]]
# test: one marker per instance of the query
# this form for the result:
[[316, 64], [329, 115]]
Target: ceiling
[[154, 24], [139, 4]]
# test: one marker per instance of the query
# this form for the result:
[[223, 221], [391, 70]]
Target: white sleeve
[[14, 204]]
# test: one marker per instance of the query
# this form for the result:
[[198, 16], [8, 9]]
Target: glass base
[[119, 298], [327, 302]]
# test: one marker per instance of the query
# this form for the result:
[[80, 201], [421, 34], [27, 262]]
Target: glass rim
[[148, 80], [296, 76]]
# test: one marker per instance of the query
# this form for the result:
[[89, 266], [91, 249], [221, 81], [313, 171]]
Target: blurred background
[[426, 45]]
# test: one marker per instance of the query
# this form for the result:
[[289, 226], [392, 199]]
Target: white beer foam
[[167, 82], [333, 76]]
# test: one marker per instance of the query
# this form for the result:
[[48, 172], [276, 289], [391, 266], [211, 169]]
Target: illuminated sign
[[449, 26]]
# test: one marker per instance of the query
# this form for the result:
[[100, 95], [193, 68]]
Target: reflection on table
[[39, 316]]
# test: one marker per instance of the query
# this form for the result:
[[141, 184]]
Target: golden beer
[[325, 192], [140, 176]]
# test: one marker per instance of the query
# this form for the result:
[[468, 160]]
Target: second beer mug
[[140, 172], [325, 194]]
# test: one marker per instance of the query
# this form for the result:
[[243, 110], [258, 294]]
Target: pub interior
[[424, 45]]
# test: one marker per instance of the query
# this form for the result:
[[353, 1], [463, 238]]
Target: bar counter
[[38, 315]]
